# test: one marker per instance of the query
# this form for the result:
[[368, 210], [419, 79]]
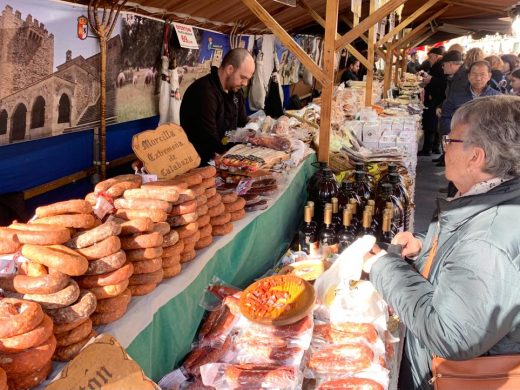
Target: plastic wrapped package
[[249, 376], [281, 126], [262, 353]]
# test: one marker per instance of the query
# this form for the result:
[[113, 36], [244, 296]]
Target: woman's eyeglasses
[[446, 140]]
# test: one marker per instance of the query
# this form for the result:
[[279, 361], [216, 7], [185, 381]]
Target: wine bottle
[[399, 190], [392, 168], [346, 235], [356, 222], [367, 224], [386, 230], [328, 238], [310, 203], [308, 236], [362, 191], [323, 188], [337, 220], [344, 194], [388, 196]]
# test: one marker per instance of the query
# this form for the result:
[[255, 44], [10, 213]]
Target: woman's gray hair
[[494, 125]]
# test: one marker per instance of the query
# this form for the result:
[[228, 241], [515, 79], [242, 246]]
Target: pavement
[[429, 180]]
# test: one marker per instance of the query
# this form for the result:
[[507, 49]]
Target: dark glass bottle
[[356, 222], [308, 237], [361, 167], [313, 222], [321, 190], [344, 194], [386, 229], [371, 205], [347, 234], [381, 203], [401, 193], [337, 220], [367, 224], [328, 238], [392, 168], [361, 189]]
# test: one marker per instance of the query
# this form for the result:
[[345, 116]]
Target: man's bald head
[[236, 69], [235, 57]]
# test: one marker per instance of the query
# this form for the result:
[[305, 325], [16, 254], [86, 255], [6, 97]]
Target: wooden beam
[[368, 22], [347, 21], [317, 17], [421, 10], [287, 40], [371, 47], [388, 71], [329, 54], [423, 37], [413, 34], [479, 7]]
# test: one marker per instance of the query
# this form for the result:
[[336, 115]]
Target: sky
[[61, 20]]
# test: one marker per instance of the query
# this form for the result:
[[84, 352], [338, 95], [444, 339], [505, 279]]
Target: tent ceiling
[[479, 16]]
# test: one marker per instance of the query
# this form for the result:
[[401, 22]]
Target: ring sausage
[[188, 256], [191, 178], [3, 380], [44, 284], [214, 200], [147, 266], [205, 231], [107, 305], [104, 186], [204, 242], [220, 219], [142, 289], [174, 184], [217, 210], [111, 291], [185, 196], [188, 247], [212, 191], [84, 307], [107, 279], [237, 215], [222, 230], [40, 234], [202, 210], [74, 206], [62, 298], [201, 200], [144, 254], [9, 246], [160, 193], [135, 226], [31, 268], [75, 335], [187, 230], [106, 247], [152, 277], [229, 198], [93, 236], [142, 204], [154, 215], [184, 208], [208, 183], [205, 172], [170, 239], [32, 338], [106, 264], [162, 228], [29, 360], [108, 317], [25, 382], [18, 316], [238, 204], [173, 250], [198, 190], [192, 239], [203, 220], [142, 241], [64, 354], [171, 261], [62, 328], [170, 272], [76, 221], [181, 220]]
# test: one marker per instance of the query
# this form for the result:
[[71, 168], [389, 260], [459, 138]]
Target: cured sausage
[[149, 278], [201, 200], [144, 254], [75, 335], [238, 215], [204, 242], [65, 297], [108, 317], [181, 220], [84, 307], [191, 178], [229, 198], [32, 338], [184, 208], [198, 190], [358, 333], [187, 230], [40, 234], [44, 284], [31, 268], [201, 356], [9, 245], [111, 291], [205, 172], [29, 360], [136, 226], [64, 354], [142, 204], [215, 200], [76, 221], [62, 328], [58, 257], [192, 239], [109, 304], [104, 186], [170, 272], [174, 184], [220, 219], [95, 235], [171, 261], [188, 256], [222, 230], [212, 191], [351, 384], [142, 241], [106, 264], [173, 250], [349, 357], [260, 376], [217, 210], [203, 220], [185, 196], [160, 193], [162, 228], [238, 204], [107, 279], [3, 380], [142, 289], [188, 247], [205, 231], [25, 382], [154, 215], [171, 238], [147, 266], [208, 183], [75, 206], [106, 247], [202, 210]]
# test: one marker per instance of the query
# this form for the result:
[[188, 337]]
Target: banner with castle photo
[[50, 81]]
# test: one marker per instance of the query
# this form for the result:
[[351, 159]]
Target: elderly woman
[[462, 298]]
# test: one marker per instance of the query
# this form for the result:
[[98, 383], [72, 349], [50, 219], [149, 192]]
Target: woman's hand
[[411, 245]]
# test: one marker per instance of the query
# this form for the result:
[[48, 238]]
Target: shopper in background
[[413, 65], [461, 300], [214, 104], [457, 47], [350, 73], [498, 80], [510, 63], [434, 55], [515, 83], [434, 94]]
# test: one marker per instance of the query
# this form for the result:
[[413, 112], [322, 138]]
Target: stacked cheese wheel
[[26, 344], [114, 187], [220, 218], [107, 274]]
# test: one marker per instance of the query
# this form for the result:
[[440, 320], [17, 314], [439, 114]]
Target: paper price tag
[[8, 264]]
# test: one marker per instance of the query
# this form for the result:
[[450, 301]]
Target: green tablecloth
[[165, 341]]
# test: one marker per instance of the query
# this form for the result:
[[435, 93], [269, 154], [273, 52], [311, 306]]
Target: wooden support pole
[[388, 71], [413, 34], [363, 37], [287, 40], [331, 27], [368, 22], [422, 38], [491, 10], [404, 62], [370, 68], [421, 10]]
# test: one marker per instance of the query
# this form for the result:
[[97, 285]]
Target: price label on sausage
[[186, 36]]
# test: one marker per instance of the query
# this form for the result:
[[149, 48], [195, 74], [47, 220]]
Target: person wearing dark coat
[[350, 73], [214, 104], [413, 65]]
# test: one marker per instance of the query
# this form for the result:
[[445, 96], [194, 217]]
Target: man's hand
[[426, 79], [411, 245]]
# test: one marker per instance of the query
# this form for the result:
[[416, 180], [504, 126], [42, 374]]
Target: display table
[[158, 329]]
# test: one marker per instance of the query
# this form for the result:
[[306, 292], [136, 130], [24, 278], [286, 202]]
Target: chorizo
[[173, 250], [188, 247], [9, 245], [187, 230], [181, 220], [192, 239], [217, 210], [154, 215], [220, 219], [184, 208], [202, 210], [201, 200], [44, 284], [136, 226], [205, 172], [106, 247], [107, 279], [204, 242], [158, 193], [205, 231], [260, 376], [142, 204], [215, 200], [62, 328], [32, 338], [108, 317], [170, 239], [208, 183], [29, 381], [162, 228], [64, 354], [106, 264], [174, 184], [222, 230], [212, 191], [58, 257], [3, 380], [84, 307], [95, 235], [104, 292], [107, 305], [149, 278], [29, 360], [229, 198], [238, 204], [171, 261], [31, 268], [147, 266], [76, 221], [144, 254], [351, 384], [74, 206], [142, 289], [104, 186], [198, 190], [75, 335], [141, 241], [170, 272], [185, 196], [191, 178], [65, 297], [203, 220], [238, 215], [40, 234], [188, 256]]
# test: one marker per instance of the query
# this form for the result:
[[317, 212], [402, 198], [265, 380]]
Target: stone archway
[[18, 123], [3, 122], [64, 108], [38, 113]]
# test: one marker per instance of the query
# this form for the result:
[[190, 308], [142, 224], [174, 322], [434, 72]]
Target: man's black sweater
[[207, 112]]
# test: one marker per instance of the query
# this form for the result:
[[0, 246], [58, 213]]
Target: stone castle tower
[[26, 51]]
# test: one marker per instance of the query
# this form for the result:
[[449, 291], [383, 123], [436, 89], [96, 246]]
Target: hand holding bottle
[[411, 245]]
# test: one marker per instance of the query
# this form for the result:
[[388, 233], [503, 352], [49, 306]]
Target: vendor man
[[214, 103]]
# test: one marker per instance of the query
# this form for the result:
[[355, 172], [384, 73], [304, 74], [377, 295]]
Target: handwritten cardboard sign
[[103, 363], [165, 151]]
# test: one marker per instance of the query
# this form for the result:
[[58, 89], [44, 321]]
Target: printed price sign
[[186, 36]]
